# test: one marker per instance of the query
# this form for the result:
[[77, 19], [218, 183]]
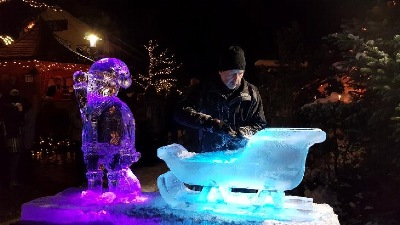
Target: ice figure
[[272, 162], [108, 134]]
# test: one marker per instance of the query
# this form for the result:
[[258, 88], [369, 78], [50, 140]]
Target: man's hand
[[224, 128], [19, 106], [234, 138], [219, 127]]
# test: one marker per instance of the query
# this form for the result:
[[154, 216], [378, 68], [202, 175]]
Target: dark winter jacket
[[241, 109]]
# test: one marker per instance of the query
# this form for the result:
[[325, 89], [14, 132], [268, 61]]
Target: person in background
[[190, 135], [14, 110], [173, 128], [75, 135], [155, 133], [2, 127], [55, 90], [28, 137], [3, 152], [229, 108], [129, 97]]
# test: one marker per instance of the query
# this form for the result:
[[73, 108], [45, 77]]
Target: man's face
[[231, 78]]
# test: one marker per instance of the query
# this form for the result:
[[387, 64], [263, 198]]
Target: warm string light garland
[[42, 65], [66, 45], [36, 4], [7, 40], [392, 3], [161, 64]]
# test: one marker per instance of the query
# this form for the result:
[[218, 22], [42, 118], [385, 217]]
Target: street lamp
[[92, 39]]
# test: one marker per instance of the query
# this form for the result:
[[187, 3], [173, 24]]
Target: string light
[[43, 66], [161, 65], [67, 46], [7, 40], [29, 26], [37, 4], [392, 3]]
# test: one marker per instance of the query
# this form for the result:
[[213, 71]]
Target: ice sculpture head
[[104, 78]]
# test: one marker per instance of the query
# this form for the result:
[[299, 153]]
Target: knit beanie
[[232, 59]]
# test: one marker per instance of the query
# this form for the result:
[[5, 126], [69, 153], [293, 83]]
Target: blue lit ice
[[272, 162], [108, 135]]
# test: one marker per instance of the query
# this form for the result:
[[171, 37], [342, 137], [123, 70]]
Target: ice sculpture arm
[[80, 87]]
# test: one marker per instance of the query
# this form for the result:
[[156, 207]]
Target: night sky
[[196, 30]]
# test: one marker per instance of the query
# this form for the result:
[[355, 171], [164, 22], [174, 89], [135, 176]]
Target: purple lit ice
[[108, 135]]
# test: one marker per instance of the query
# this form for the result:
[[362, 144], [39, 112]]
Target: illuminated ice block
[[273, 161], [176, 204], [108, 134], [67, 208]]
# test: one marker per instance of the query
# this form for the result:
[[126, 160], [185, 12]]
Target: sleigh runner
[[272, 162]]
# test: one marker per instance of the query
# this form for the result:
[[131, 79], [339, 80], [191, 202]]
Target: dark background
[[196, 30]]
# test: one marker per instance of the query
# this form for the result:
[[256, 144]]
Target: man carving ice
[[229, 109]]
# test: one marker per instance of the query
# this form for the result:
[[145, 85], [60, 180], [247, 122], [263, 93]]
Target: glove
[[225, 128], [218, 126]]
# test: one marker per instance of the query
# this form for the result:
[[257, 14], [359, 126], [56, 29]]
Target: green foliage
[[363, 137], [371, 48]]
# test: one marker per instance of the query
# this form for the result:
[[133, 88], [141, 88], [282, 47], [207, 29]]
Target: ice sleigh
[[273, 161]]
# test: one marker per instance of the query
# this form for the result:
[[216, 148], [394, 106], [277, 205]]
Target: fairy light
[[29, 26], [7, 40], [161, 64], [36, 4], [43, 66], [392, 3]]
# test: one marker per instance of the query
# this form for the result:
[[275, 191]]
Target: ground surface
[[55, 173]]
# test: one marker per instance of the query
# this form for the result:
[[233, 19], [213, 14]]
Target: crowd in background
[[56, 124], [17, 124]]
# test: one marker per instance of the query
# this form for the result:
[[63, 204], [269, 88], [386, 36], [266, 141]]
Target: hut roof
[[40, 43]]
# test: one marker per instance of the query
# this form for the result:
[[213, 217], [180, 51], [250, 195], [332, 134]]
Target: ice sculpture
[[108, 134], [272, 162]]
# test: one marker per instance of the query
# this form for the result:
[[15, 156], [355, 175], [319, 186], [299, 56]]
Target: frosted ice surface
[[68, 208], [108, 135], [273, 159], [272, 162]]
